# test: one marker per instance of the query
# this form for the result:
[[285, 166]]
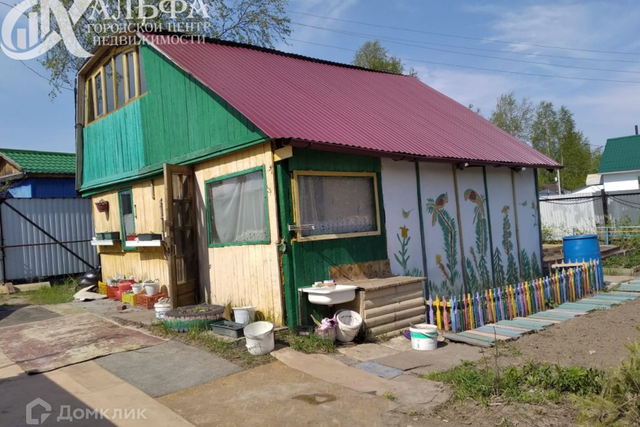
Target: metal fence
[[568, 214], [28, 253]]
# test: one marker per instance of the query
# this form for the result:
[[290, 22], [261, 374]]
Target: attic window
[[118, 80]]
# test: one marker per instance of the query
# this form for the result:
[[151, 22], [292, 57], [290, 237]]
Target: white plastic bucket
[[424, 337], [260, 338], [244, 315], [151, 288], [349, 323], [137, 288], [161, 309]]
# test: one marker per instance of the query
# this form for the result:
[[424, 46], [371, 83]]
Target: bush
[[619, 402]]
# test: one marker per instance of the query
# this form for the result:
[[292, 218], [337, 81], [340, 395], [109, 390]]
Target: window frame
[[99, 69], [133, 212], [207, 194], [296, 204]]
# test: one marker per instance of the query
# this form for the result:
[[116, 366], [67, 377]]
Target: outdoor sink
[[331, 296]]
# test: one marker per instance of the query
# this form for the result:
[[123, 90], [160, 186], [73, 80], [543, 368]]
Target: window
[[237, 209], [116, 81], [336, 204], [127, 215]]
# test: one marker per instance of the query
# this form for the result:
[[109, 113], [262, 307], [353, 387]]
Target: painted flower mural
[[449, 230], [402, 256], [477, 270]]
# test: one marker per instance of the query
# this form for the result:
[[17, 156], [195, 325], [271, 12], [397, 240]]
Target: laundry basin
[[331, 296]]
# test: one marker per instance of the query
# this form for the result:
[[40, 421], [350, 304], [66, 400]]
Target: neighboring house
[[37, 174], [620, 164], [263, 172], [593, 185], [39, 187]]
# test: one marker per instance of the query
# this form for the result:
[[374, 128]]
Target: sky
[[586, 34]]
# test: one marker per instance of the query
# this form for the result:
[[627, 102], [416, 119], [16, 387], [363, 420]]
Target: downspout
[[425, 285], [535, 181]]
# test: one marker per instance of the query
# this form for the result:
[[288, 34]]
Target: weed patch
[[619, 402], [206, 340], [310, 345], [56, 294], [389, 396], [531, 383]]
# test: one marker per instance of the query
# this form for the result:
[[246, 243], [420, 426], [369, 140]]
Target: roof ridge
[[213, 40], [37, 151]]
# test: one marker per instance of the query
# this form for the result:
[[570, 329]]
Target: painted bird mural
[[438, 204], [505, 209], [523, 203], [476, 198], [405, 214]]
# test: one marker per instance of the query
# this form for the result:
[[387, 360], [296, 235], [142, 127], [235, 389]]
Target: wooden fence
[[465, 312]]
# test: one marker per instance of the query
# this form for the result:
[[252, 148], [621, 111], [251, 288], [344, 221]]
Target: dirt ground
[[593, 341]]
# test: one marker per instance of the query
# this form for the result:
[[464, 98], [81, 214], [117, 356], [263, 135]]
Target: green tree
[[259, 22], [555, 134], [513, 116], [374, 56], [551, 131]]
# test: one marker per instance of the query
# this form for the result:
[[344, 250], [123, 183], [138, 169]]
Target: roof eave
[[339, 148]]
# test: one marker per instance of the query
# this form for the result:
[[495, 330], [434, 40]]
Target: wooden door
[[182, 251]]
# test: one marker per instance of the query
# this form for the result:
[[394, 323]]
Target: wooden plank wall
[[142, 263], [248, 274], [7, 168]]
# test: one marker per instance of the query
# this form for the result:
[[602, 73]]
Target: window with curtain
[[337, 204], [237, 211], [126, 213]]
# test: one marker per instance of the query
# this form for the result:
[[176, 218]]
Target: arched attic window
[[117, 80]]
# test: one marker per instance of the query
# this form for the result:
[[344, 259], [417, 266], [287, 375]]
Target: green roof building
[[620, 164]]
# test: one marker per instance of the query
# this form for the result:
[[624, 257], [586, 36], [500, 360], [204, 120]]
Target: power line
[[507, 52], [43, 77], [390, 40], [481, 68], [465, 37]]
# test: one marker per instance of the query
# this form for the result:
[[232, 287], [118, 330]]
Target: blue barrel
[[582, 248]]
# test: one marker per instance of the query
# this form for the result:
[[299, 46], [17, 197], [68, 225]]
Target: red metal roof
[[290, 96]]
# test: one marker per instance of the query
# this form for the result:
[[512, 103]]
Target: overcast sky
[[586, 30]]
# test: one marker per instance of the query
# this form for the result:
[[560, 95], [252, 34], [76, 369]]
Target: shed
[[264, 172], [37, 174]]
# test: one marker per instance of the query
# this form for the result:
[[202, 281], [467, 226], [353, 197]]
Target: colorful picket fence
[[466, 312]]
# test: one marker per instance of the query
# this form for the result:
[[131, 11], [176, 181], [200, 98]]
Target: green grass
[[227, 349], [56, 294], [531, 383], [309, 345], [629, 260], [389, 396]]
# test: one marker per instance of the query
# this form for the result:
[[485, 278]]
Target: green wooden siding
[[177, 121], [311, 260], [181, 116], [113, 147]]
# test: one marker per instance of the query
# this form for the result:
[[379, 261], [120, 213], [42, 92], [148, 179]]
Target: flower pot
[[102, 206], [132, 237], [111, 235], [151, 288], [137, 288]]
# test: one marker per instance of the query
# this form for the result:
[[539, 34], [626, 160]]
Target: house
[[37, 174], [264, 172], [620, 164]]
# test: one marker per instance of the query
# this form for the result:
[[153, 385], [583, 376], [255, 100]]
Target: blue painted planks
[[538, 326], [466, 340], [500, 331]]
